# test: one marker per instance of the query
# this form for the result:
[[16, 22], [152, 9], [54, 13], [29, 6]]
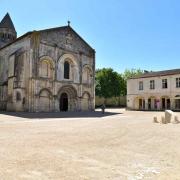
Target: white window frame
[[141, 85], [178, 82], [152, 84], [164, 84]]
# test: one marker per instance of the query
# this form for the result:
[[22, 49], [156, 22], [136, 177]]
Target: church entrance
[[67, 96], [63, 103]]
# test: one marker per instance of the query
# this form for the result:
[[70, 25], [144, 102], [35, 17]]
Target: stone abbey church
[[46, 70]]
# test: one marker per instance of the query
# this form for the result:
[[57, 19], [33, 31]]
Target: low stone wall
[[111, 102]]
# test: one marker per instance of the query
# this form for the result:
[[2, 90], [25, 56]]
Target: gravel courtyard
[[88, 146]]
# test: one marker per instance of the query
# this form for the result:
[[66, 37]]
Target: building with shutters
[[154, 91]]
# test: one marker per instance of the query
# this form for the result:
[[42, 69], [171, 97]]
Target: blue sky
[[126, 34]]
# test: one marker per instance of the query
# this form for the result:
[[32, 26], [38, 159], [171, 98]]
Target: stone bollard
[[155, 119], [168, 116], [176, 120], [163, 120]]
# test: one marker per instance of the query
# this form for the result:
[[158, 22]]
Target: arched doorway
[[63, 102], [67, 96], [165, 102], [177, 102], [152, 104], [139, 103]]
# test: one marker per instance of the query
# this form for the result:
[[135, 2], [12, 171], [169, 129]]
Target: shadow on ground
[[45, 115]]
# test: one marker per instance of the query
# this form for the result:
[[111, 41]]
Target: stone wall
[[111, 102], [33, 69], [14, 74], [68, 47]]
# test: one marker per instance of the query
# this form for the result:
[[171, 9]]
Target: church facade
[[49, 70]]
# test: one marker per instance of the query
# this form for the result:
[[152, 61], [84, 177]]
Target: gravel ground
[[119, 145]]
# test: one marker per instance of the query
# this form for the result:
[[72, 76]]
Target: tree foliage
[[108, 83], [129, 73], [111, 84]]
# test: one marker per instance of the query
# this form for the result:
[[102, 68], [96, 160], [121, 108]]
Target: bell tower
[[7, 31]]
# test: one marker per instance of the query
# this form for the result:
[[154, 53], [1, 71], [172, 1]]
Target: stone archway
[[46, 67], [139, 103], [152, 104], [87, 74], [73, 68], [63, 102], [176, 102], [165, 102], [67, 96]]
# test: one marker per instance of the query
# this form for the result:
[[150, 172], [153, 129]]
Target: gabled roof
[[67, 27], [7, 22], [50, 29], [157, 73]]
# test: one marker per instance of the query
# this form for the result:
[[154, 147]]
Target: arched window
[[46, 69], [66, 70], [18, 96], [87, 75]]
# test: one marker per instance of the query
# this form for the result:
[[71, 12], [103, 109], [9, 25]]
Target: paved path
[[120, 145]]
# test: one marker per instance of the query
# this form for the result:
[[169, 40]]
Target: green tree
[[111, 84], [108, 83], [122, 85], [129, 73]]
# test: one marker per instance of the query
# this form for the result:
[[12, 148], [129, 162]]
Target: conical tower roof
[[7, 22]]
